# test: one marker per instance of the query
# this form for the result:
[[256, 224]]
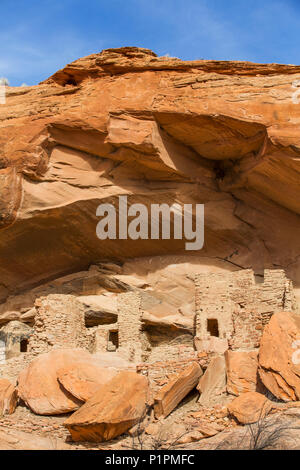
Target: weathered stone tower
[[233, 308], [130, 325], [59, 323]]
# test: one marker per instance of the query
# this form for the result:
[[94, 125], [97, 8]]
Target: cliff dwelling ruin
[[231, 310], [124, 123]]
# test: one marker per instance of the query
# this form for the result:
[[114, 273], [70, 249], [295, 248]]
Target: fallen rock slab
[[174, 391], [8, 397], [212, 384], [116, 407], [279, 356], [84, 379], [38, 385], [241, 371], [250, 407]]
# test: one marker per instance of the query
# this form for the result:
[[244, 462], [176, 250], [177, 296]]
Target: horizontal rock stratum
[[158, 129]]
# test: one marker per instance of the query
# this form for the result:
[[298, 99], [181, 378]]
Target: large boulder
[[84, 379], [115, 408], [168, 397], [250, 407], [241, 370], [38, 384], [8, 397], [279, 358], [212, 384]]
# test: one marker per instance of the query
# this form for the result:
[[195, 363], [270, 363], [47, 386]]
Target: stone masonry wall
[[240, 306], [212, 299], [276, 295], [162, 342], [2, 351], [129, 326], [11, 368], [59, 323], [101, 342], [160, 372]]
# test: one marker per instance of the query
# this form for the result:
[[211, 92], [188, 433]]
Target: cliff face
[[125, 122]]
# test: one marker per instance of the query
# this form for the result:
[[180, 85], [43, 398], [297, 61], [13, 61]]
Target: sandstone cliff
[[126, 122]]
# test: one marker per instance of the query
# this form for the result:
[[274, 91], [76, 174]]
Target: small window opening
[[24, 345], [113, 340], [213, 327]]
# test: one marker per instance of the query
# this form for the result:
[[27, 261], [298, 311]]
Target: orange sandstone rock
[[8, 397], [157, 129], [279, 357], [212, 385], [84, 379], [250, 407], [242, 371], [38, 385], [116, 407], [169, 396]]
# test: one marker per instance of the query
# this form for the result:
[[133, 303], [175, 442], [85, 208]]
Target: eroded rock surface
[[279, 356], [83, 380], [212, 385], [250, 407], [241, 371], [125, 122], [8, 397], [112, 410], [173, 392], [157, 129], [38, 384]]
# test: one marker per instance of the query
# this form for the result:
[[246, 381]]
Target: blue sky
[[37, 37]]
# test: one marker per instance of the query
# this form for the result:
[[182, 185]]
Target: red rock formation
[[241, 371], [112, 410], [176, 389], [83, 380], [250, 407], [44, 394], [212, 385], [158, 129], [8, 397], [279, 356]]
